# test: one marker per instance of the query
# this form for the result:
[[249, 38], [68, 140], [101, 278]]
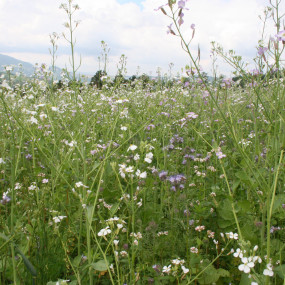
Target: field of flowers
[[133, 185], [144, 181]]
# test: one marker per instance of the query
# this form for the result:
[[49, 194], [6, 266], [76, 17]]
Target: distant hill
[[27, 68]]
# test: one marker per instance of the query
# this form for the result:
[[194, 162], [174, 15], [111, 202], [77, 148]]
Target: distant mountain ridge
[[27, 68]]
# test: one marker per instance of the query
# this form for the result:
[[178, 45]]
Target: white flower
[[247, 264], [232, 235], [116, 242], [129, 169], [80, 184], [104, 232], [132, 147], [254, 283], [175, 261], [62, 282], [148, 157], [269, 270], [136, 157], [43, 116], [124, 128], [119, 226], [166, 269], [141, 174], [2, 161], [33, 120], [193, 249], [139, 204], [54, 109], [8, 67], [6, 85], [238, 253], [58, 219], [257, 258], [185, 270], [123, 253]]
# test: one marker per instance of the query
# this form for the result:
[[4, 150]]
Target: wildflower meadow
[[145, 181]]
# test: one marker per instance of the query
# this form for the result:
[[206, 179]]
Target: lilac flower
[[181, 4], [158, 8], [220, 155], [5, 199], [192, 26], [170, 31], [177, 179], [262, 50], [181, 21], [281, 36], [162, 175], [256, 72], [29, 156]]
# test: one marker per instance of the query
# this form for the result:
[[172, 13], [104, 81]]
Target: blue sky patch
[[138, 2]]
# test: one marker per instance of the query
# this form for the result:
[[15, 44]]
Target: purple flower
[[256, 72], [262, 50], [5, 200], [181, 4], [176, 179], [158, 8], [281, 36], [162, 175], [29, 156], [193, 26], [170, 31], [181, 21], [173, 188]]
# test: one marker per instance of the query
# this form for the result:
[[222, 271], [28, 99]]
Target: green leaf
[[225, 210], [245, 206], [280, 270], [28, 264], [100, 265], [76, 261], [242, 176], [223, 273], [244, 280], [278, 201], [249, 232], [114, 209], [209, 276], [89, 213]]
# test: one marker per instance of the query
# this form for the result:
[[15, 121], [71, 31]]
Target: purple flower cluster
[[176, 139], [177, 181], [162, 175]]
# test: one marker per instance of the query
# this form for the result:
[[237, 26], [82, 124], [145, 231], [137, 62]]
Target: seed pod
[[163, 11], [199, 52]]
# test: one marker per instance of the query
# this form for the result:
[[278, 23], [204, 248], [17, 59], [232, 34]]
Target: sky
[[132, 28]]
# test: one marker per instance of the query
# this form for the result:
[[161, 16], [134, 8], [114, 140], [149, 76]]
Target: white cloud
[[138, 33]]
